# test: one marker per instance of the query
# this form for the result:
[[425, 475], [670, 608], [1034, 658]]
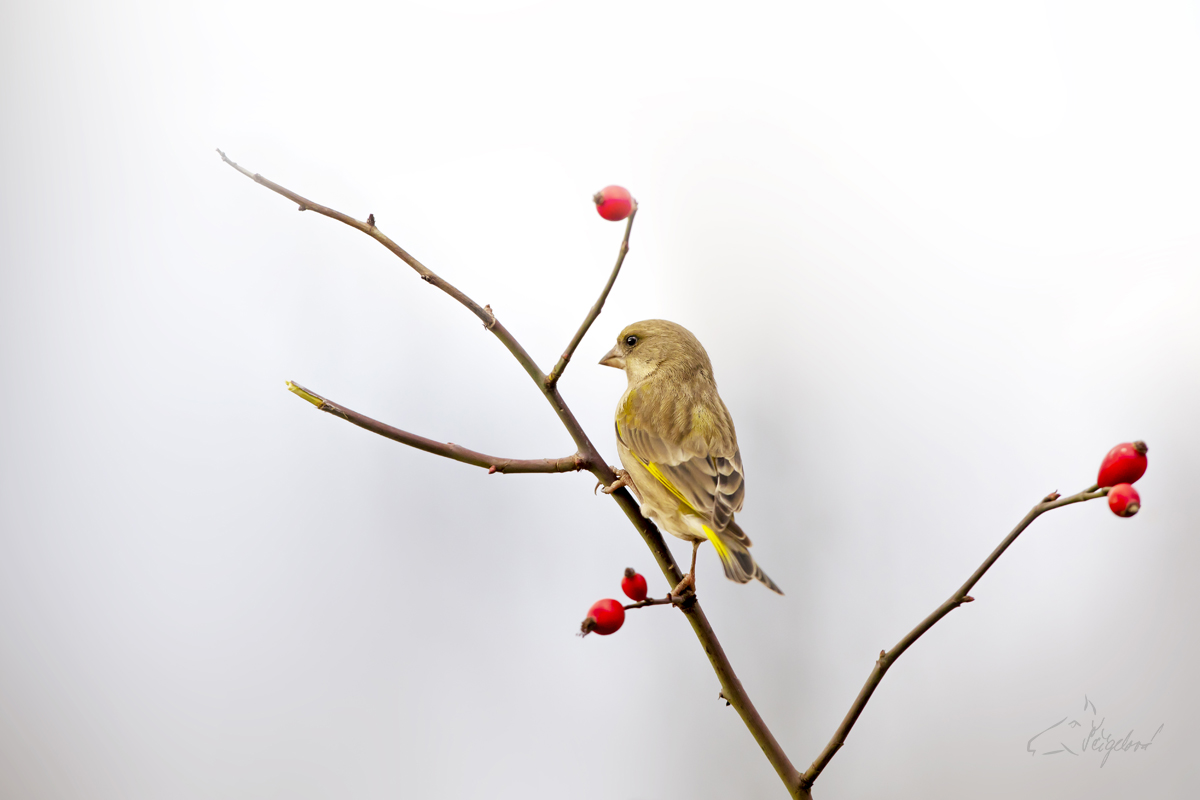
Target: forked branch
[[731, 688], [587, 457], [888, 657]]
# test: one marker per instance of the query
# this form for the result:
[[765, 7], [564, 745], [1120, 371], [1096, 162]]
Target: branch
[[452, 451], [652, 601], [731, 687], [887, 658], [483, 312], [732, 690], [561, 366]]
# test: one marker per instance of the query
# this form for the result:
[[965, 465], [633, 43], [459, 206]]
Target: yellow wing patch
[[722, 550], [657, 473]]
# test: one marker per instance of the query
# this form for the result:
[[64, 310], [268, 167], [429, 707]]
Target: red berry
[[1123, 500], [604, 617], [613, 202], [1125, 463], [634, 585]]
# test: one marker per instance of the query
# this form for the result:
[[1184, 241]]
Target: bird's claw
[[684, 588], [622, 480]]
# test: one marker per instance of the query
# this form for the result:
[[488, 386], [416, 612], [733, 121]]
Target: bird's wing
[[707, 483]]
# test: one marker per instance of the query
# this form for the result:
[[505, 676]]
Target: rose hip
[[604, 617], [1123, 500], [634, 585], [1125, 463], [613, 203]]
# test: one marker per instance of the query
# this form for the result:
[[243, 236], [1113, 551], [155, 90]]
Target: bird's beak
[[613, 358]]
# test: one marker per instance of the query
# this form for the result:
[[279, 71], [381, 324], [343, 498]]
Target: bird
[[677, 443]]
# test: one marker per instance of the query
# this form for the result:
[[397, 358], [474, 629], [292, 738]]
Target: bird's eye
[[630, 341]]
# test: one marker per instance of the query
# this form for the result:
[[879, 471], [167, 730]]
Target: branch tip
[[300, 391]]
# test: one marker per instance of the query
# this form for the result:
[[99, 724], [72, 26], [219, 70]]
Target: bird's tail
[[732, 548]]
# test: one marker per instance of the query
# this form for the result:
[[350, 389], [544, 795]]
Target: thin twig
[[561, 366], [731, 687], [572, 463], [429, 276], [888, 657], [651, 601]]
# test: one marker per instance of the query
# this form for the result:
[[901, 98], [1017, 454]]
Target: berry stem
[[561, 366], [651, 601]]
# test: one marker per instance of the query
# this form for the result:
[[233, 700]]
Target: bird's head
[[644, 347]]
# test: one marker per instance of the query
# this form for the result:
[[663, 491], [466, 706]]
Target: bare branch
[[561, 366], [452, 451], [429, 276], [888, 657]]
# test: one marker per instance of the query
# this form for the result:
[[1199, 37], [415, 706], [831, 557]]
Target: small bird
[[677, 443]]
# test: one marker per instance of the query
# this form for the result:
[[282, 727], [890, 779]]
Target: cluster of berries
[[607, 616], [1123, 465]]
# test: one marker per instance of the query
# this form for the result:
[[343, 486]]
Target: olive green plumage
[[677, 442]]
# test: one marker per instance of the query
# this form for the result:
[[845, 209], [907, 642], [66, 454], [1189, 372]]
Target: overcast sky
[[942, 260]]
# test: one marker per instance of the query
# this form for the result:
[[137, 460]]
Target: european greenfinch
[[678, 446]]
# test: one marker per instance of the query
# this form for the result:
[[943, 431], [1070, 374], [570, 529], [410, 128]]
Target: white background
[[942, 261]]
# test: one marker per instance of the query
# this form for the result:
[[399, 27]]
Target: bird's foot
[[685, 588], [622, 480]]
